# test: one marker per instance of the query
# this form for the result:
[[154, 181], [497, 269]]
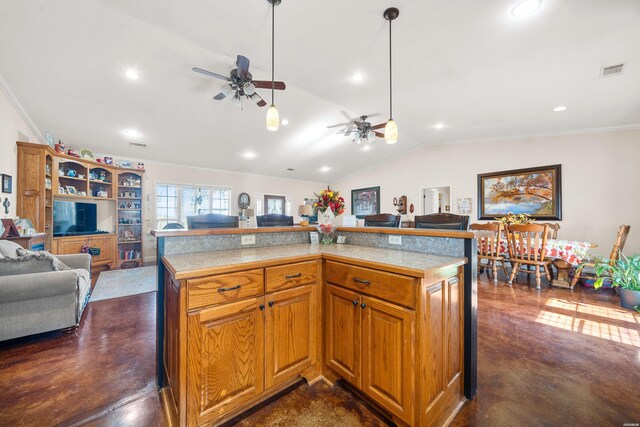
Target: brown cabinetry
[[73, 245]]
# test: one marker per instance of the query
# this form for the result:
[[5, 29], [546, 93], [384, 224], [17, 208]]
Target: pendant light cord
[[390, 76], [273, 44]]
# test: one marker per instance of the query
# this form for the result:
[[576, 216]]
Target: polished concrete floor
[[545, 358]]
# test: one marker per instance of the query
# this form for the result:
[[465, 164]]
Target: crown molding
[[20, 108]]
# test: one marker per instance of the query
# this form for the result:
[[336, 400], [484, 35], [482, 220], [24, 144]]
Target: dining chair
[[446, 221], [587, 270], [274, 220], [527, 246], [382, 220], [553, 230], [211, 221], [488, 237], [173, 226]]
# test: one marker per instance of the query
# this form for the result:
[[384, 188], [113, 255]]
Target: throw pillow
[[8, 248], [56, 264]]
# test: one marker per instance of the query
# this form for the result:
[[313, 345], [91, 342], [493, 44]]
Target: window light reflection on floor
[[594, 310], [591, 328]]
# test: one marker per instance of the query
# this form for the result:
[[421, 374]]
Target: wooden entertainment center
[[46, 176]]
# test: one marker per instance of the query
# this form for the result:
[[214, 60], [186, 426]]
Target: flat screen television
[[74, 218]]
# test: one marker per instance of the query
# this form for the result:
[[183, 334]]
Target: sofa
[[40, 292]]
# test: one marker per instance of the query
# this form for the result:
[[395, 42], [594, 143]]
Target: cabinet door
[[343, 333], [72, 245], [225, 359], [291, 333], [31, 191], [388, 356]]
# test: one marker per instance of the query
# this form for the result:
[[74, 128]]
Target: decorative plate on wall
[[244, 200]]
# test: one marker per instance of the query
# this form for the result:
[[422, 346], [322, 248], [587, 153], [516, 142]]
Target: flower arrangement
[[518, 219], [329, 199]]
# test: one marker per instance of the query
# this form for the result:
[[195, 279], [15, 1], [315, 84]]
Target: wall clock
[[244, 200]]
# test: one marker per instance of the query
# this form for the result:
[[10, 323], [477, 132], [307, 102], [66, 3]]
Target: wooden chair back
[[446, 221], [618, 246], [382, 220], [274, 220], [527, 242], [553, 230], [488, 239]]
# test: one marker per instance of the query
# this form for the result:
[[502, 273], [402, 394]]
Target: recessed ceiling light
[[366, 148], [132, 133], [132, 74], [526, 7], [284, 122], [249, 155], [325, 169], [357, 77], [438, 126], [559, 108]]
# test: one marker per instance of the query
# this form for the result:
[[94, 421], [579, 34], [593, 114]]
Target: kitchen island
[[241, 325]]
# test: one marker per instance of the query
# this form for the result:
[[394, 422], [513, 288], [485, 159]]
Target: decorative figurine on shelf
[[60, 147], [61, 172], [102, 193], [128, 235], [81, 176], [71, 173], [108, 160], [140, 166], [73, 152], [103, 175], [128, 205]]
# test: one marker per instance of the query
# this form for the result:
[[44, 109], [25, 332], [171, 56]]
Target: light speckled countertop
[[403, 262]]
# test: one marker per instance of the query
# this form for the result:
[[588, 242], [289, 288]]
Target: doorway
[[436, 200]]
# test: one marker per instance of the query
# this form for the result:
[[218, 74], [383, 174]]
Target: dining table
[[565, 254]]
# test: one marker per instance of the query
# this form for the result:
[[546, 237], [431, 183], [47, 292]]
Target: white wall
[[600, 179], [254, 185], [12, 128]]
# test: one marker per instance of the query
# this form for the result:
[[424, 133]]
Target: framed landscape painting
[[365, 201], [534, 191]]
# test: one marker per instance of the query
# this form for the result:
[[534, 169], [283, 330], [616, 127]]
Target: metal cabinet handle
[[363, 305], [261, 307], [229, 289], [364, 282], [293, 276], [355, 302], [271, 303]]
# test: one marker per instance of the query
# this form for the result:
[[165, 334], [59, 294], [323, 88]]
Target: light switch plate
[[248, 239], [395, 240]]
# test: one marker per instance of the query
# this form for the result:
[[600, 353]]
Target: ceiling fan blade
[[258, 100], [220, 96], [266, 84], [379, 134], [346, 133], [339, 125], [242, 63], [357, 123], [211, 74], [380, 126]]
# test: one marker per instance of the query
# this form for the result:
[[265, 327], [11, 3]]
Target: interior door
[[225, 358], [388, 356], [343, 333], [291, 337]]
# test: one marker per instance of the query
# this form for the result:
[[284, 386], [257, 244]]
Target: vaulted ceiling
[[470, 65]]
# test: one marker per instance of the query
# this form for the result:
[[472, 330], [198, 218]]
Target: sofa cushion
[[56, 264], [8, 248], [24, 265]]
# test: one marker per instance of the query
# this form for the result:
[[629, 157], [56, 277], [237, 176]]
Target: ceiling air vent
[[138, 144], [611, 70]]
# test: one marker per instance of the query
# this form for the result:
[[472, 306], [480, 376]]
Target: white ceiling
[[468, 64]]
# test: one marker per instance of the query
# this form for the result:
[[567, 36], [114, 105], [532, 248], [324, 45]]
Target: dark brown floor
[[548, 358]]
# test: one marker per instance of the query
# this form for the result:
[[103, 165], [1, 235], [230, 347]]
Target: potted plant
[[625, 275]]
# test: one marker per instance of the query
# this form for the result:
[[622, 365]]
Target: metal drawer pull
[[228, 289], [355, 302], [261, 307], [364, 282], [271, 303], [363, 305], [293, 276]]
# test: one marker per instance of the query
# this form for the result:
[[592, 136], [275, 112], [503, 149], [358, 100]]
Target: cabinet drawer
[[224, 288], [291, 275], [387, 286]]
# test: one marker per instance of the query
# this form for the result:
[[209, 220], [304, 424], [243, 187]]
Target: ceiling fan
[[362, 130], [241, 84]]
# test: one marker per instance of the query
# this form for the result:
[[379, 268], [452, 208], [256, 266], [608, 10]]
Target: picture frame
[[71, 190], [365, 201], [314, 238], [7, 182], [534, 191]]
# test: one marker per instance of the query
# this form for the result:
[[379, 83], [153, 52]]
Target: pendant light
[[273, 117], [391, 129]]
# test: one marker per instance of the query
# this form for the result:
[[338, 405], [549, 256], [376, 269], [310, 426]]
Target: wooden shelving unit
[[129, 208]]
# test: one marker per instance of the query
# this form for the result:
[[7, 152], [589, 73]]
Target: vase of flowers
[[328, 204]]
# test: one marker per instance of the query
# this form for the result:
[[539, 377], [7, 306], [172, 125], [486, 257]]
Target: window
[[174, 203]]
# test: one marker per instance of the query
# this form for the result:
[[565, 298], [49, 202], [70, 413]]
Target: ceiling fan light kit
[[273, 117], [391, 129]]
